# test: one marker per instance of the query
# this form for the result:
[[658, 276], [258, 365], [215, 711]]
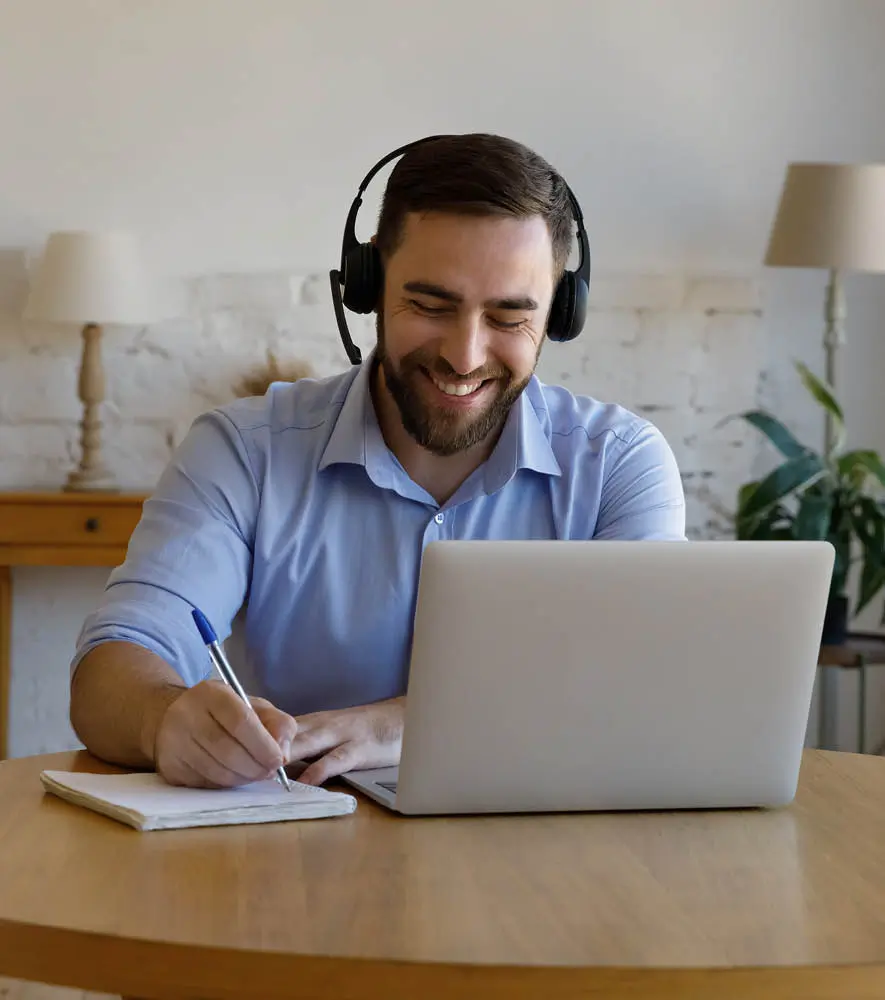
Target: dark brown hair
[[477, 174]]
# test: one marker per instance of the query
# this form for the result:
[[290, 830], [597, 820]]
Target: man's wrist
[[157, 705]]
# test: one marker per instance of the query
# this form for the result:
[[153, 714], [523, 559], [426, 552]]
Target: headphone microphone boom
[[356, 284]]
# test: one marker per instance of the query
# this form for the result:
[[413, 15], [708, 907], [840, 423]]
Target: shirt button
[[440, 518]]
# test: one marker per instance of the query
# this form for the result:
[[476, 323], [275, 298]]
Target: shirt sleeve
[[642, 497], [191, 548]]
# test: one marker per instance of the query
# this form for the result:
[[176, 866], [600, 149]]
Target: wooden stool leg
[[5, 668], [862, 707]]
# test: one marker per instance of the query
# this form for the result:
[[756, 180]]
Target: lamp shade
[[830, 215], [89, 277]]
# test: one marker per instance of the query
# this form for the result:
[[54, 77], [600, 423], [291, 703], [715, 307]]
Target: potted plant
[[830, 496]]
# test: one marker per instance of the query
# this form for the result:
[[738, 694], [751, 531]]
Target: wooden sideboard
[[56, 529]]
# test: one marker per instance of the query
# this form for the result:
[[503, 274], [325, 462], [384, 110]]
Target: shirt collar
[[524, 441], [356, 438], [347, 442]]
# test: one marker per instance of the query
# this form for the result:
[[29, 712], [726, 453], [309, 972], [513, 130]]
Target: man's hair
[[476, 174]]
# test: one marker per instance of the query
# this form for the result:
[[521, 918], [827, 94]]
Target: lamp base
[[91, 476], [91, 481]]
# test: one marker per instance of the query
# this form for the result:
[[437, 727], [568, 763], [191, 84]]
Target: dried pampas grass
[[256, 382]]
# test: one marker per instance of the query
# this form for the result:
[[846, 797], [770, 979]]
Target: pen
[[227, 675]]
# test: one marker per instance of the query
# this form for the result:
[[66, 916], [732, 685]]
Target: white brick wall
[[684, 352]]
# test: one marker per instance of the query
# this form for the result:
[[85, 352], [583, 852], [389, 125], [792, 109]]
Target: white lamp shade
[[830, 215], [88, 277]]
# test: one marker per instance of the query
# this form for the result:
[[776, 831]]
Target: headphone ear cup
[[362, 278], [579, 312], [562, 308], [569, 308]]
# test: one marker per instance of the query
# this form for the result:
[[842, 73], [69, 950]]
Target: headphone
[[357, 283]]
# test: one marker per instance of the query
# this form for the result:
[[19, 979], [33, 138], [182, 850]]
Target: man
[[315, 501]]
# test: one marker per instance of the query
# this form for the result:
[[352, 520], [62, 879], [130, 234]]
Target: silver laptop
[[567, 676]]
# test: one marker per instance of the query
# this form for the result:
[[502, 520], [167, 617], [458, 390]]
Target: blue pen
[[217, 656]]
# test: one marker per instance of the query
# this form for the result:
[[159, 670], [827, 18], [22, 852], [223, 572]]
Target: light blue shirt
[[293, 503]]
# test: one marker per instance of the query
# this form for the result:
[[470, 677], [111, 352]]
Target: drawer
[[67, 523]]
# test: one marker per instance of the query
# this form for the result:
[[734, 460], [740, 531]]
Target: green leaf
[[744, 494], [820, 390], [775, 431], [823, 394], [868, 520], [774, 523], [871, 582], [841, 534], [791, 475], [745, 526], [861, 462], [812, 520]]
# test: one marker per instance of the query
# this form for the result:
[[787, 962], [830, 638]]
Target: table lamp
[[90, 279], [831, 215]]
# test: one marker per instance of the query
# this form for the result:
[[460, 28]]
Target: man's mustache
[[442, 370]]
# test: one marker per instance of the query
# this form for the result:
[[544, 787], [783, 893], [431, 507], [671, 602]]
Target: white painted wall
[[232, 135]]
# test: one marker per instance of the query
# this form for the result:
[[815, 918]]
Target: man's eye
[[501, 324], [428, 310]]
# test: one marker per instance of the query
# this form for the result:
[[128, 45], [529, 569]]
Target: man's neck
[[439, 475]]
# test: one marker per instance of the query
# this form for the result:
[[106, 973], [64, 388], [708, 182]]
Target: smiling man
[[314, 502], [458, 346]]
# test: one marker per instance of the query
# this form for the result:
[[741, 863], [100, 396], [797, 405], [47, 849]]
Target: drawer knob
[[92, 524]]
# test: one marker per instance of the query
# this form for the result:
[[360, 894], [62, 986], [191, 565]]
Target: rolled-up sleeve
[[191, 548], [643, 496]]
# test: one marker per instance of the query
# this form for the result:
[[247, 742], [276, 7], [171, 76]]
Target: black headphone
[[361, 272]]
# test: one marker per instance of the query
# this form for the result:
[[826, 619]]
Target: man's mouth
[[457, 388]]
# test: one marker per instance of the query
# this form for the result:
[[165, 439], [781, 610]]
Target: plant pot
[[835, 629]]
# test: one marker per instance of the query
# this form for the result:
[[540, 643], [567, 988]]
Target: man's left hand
[[349, 739]]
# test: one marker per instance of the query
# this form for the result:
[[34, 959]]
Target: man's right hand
[[208, 738]]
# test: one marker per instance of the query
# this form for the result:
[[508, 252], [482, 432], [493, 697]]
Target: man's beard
[[440, 431]]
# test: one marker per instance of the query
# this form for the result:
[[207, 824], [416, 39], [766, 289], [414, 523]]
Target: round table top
[[732, 903]]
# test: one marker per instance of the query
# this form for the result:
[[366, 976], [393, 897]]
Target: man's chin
[[445, 433], [446, 425]]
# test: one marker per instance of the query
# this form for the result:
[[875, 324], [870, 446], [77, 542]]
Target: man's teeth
[[459, 389]]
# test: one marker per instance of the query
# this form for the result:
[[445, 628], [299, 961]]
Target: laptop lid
[[552, 675]]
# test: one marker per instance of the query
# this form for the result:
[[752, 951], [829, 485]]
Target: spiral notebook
[[145, 801]]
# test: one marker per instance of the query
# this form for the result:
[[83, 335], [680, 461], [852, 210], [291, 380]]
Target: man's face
[[460, 330]]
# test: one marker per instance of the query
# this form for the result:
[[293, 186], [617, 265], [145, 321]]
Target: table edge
[[107, 963]]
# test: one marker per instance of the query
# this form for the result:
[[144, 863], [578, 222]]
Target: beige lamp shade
[[831, 216], [92, 277]]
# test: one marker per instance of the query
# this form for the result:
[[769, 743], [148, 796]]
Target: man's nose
[[464, 346]]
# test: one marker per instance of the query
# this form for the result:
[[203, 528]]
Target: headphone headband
[[350, 239], [360, 270]]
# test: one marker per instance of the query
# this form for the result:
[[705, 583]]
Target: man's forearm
[[119, 694]]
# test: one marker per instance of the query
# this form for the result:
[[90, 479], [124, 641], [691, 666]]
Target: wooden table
[[749, 903], [56, 529]]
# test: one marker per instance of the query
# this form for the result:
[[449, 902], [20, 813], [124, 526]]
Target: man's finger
[[204, 761], [306, 745], [181, 773], [229, 753], [343, 758], [245, 727]]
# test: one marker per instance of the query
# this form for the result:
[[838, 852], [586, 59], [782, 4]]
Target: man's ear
[[374, 239]]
